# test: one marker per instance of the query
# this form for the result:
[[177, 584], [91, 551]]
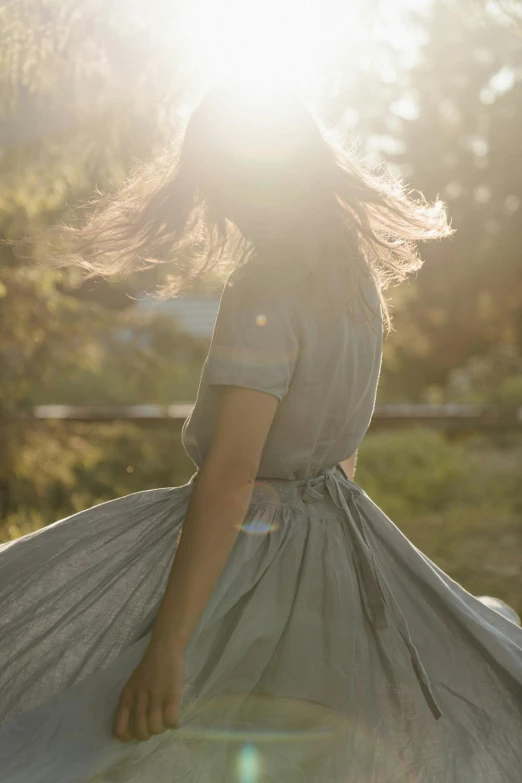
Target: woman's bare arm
[[217, 508], [149, 702], [348, 465]]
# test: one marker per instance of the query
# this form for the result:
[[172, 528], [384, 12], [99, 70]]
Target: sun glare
[[266, 43]]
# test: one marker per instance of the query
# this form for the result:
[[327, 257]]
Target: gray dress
[[332, 649]]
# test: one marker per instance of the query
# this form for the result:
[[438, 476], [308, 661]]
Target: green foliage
[[60, 469], [494, 378], [459, 502], [84, 96], [415, 471]]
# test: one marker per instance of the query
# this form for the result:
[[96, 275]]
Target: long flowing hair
[[249, 171]]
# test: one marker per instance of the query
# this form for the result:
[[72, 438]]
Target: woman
[[296, 635]]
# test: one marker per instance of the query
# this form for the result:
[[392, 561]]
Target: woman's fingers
[[122, 725], [170, 712], [156, 724], [141, 716], [122, 722]]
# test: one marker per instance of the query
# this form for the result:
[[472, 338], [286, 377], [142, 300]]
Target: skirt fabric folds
[[332, 650]]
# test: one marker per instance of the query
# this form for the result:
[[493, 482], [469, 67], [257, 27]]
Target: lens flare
[[249, 764], [258, 527], [265, 737]]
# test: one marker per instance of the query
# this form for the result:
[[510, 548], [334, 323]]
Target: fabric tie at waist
[[371, 574]]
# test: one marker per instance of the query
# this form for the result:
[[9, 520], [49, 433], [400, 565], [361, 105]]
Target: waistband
[[377, 597], [297, 493]]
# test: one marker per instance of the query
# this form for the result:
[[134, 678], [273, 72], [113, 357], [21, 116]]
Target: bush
[[459, 502]]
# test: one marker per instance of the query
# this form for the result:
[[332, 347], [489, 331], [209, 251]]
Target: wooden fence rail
[[454, 420], [449, 416]]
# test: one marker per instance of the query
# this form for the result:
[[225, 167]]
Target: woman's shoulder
[[285, 283], [265, 279]]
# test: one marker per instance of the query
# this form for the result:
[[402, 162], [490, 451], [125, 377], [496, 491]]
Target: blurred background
[[433, 88]]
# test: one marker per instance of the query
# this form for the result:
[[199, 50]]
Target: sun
[[269, 43]]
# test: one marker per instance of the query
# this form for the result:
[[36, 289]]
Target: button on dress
[[331, 650]]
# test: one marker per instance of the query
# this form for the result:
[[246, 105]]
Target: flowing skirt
[[332, 650]]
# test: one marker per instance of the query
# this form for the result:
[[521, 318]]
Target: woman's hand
[[149, 702]]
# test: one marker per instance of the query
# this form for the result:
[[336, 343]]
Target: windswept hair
[[180, 207]]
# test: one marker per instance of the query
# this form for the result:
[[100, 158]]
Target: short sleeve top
[[298, 341]]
